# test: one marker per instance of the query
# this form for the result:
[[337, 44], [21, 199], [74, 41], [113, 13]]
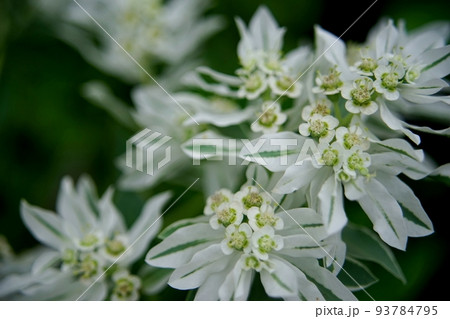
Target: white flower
[[285, 85], [359, 96], [356, 162], [328, 84], [271, 118], [148, 30], [319, 127], [365, 66], [352, 136], [86, 236], [237, 238], [263, 67], [321, 107], [227, 214], [331, 155], [250, 196], [387, 80], [259, 217], [265, 241], [215, 200], [126, 286], [254, 84]]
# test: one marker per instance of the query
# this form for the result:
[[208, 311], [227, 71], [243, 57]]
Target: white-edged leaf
[[303, 245], [203, 263], [179, 247], [356, 276], [209, 144], [74, 208], [154, 279], [288, 282], [275, 151], [402, 147], [220, 77], [364, 244], [236, 285], [385, 214], [304, 221], [331, 205], [296, 177], [146, 226], [395, 124], [327, 283], [425, 129], [46, 226], [169, 230], [436, 63], [418, 223]]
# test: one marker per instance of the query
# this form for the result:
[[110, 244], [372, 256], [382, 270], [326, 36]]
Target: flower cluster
[[311, 130], [242, 234], [91, 251]]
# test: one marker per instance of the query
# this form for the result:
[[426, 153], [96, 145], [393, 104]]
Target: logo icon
[[150, 153]]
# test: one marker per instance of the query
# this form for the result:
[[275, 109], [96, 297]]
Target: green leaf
[[364, 244], [355, 275]]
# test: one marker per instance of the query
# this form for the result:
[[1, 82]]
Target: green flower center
[[87, 268], [115, 247], [89, 240], [123, 288], [238, 240], [217, 199], [331, 81], [263, 219], [268, 118], [272, 64], [252, 262], [285, 83], [318, 129], [252, 200], [321, 109], [266, 244], [69, 257], [351, 139], [368, 65], [356, 163], [253, 83], [390, 80], [226, 217], [330, 157]]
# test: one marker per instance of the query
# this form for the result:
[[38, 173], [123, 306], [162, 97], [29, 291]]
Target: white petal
[[204, 263], [385, 214], [178, 248], [46, 226], [335, 289], [296, 177], [418, 223], [331, 205], [146, 226]]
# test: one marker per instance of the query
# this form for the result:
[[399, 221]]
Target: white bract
[[151, 31], [86, 237], [265, 72]]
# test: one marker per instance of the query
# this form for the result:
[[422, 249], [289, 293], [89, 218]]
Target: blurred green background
[[47, 130]]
